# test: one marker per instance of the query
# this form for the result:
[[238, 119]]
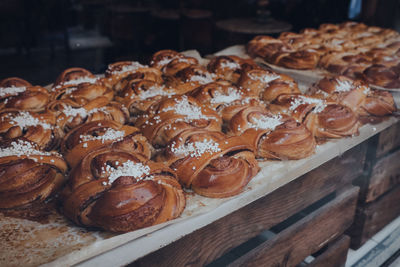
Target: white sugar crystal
[[109, 134], [343, 86], [82, 112], [70, 90], [196, 149], [23, 148], [265, 78], [165, 61], [267, 122], [230, 65], [4, 91], [128, 168], [190, 111], [205, 78], [80, 80], [232, 95], [303, 100], [24, 119], [156, 91], [133, 66]]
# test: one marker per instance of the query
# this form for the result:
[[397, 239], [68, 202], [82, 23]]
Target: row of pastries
[[351, 49], [119, 151]]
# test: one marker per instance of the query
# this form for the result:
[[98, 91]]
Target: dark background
[[40, 38]]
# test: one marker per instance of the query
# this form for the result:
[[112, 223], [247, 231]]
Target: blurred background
[[40, 38]]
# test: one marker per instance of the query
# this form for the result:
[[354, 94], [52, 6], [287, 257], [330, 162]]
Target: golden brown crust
[[170, 116], [28, 175], [29, 98], [272, 136], [98, 134], [120, 191], [210, 163]]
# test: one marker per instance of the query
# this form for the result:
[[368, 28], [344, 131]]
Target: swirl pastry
[[97, 134], [74, 76], [189, 78], [120, 191], [324, 119], [178, 64], [34, 127], [382, 76], [14, 82], [28, 175], [71, 114], [356, 95], [161, 58], [300, 60], [224, 98], [210, 163], [229, 67], [139, 95], [266, 84], [171, 116], [119, 74], [19, 94], [272, 136], [266, 47]]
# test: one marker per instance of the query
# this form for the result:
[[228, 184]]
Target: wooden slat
[[306, 236], [388, 140], [207, 244], [374, 216], [385, 175], [335, 255]]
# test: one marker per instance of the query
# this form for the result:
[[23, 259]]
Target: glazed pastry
[[83, 92], [37, 128], [189, 78], [229, 67], [167, 118], [301, 60], [356, 95], [16, 93], [266, 47], [139, 95], [71, 114], [97, 134], [210, 163], [382, 76], [266, 84], [28, 175], [74, 76], [161, 58], [324, 119], [120, 191], [178, 64], [272, 136], [120, 73], [223, 97]]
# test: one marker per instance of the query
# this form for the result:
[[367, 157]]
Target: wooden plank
[[384, 176], [207, 244], [306, 236], [374, 216], [335, 255], [388, 140]]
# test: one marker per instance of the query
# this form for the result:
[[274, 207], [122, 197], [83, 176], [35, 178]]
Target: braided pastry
[[324, 119], [71, 114], [170, 116], [16, 93], [210, 163], [37, 128], [139, 95], [27, 174], [120, 191], [272, 136], [97, 134]]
